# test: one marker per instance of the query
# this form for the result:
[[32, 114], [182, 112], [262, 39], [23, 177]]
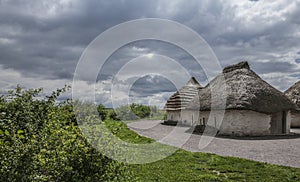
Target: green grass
[[120, 129], [156, 118], [189, 166]]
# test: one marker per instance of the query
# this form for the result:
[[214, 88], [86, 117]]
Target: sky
[[41, 43]]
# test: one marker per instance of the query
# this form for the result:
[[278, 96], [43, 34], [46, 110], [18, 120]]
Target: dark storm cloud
[[50, 45], [148, 85], [243, 30], [44, 39], [140, 48]]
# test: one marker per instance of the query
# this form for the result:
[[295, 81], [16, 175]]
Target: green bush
[[125, 113], [133, 112], [102, 112], [113, 115], [140, 110], [40, 140]]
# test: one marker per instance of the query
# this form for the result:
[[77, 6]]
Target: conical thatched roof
[[242, 89], [293, 93], [182, 98]]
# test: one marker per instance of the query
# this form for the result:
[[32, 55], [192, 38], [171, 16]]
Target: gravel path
[[282, 150]]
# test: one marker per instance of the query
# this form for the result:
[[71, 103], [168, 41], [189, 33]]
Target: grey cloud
[[44, 44], [127, 53], [268, 67], [37, 42], [149, 85]]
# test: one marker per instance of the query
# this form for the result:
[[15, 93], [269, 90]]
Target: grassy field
[[189, 166]]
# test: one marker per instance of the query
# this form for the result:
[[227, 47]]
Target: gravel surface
[[282, 150]]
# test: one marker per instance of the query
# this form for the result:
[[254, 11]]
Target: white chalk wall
[[246, 123], [236, 122], [295, 120], [189, 117], [173, 116]]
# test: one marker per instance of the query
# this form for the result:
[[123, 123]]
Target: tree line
[[132, 111]]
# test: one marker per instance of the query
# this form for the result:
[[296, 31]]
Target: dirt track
[[282, 150]]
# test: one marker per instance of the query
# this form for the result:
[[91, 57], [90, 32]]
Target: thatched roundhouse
[[293, 93], [252, 106], [179, 100]]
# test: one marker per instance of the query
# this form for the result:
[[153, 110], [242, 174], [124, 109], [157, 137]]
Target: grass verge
[[190, 166]]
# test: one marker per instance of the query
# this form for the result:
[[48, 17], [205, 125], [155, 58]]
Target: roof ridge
[[240, 65]]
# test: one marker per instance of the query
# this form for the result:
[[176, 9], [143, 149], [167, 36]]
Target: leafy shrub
[[40, 140], [140, 110], [113, 115], [102, 112], [132, 112], [125, 113]]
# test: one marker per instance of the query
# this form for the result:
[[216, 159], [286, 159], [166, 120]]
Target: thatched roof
[[182, 98], [293, 93], [241, 89]]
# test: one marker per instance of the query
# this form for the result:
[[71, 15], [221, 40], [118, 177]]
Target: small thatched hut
[[179, 100], [293, 93], [253, 107]]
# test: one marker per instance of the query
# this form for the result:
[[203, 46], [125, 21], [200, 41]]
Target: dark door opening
[[284, 122]]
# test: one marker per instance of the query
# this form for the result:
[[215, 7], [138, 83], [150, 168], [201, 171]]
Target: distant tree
[[135, 111], [140, 110], [125, 113], [102, 111]]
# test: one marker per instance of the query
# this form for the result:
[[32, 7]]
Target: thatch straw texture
[[241, 89], [293, 93], [182, 98]]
